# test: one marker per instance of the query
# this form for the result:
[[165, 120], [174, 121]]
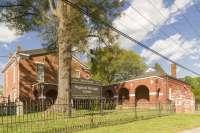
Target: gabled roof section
[[27, 53], [34, 51], [150, 70], [152, 73]]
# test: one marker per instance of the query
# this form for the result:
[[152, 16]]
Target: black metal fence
[[46, 116]]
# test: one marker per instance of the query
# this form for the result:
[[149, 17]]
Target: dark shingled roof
[[157, 73], [34, 51]]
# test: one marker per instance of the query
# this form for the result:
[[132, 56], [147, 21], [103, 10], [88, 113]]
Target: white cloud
[[28, 38], [194, 57], [147, 10], [170, 49], [4, 45], [2, 65], [196, 64], [7, 35], [178, 70]]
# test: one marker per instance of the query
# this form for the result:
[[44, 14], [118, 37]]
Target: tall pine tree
[[62, 27], [158, 67]]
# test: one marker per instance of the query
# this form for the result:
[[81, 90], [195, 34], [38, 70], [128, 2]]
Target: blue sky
[[152, 37]]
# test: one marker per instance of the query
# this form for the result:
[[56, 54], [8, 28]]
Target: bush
[[161, 106], [109, 106]]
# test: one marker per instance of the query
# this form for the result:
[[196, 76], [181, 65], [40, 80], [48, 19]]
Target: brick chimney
[[173, 70], [10, 55], [18, 48]]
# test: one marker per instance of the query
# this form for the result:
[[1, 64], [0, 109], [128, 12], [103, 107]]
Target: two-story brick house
[[27, 70]]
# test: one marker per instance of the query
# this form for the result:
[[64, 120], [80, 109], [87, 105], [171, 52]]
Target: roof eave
[[176, 79], [9, 62]]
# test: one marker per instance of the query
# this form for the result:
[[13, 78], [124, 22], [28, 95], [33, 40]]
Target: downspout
[[167, 89], [18, 76]]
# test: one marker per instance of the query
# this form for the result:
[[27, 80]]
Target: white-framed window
[[6, 79], [77, 73], [170, 95], [40, 72], [14, 74]]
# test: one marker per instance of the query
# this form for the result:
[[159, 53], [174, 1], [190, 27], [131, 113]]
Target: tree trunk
[[65, 56]]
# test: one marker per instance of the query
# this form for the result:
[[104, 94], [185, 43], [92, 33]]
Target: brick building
[[27, 70], [150, 86]]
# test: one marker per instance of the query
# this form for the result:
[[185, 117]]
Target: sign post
[[69, 97], [42, 87]]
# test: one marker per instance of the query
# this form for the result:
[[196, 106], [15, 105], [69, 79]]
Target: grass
[[82, 119], [166, 124]]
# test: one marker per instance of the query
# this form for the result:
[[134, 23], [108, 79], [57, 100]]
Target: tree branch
[[99, 38], [44, 15], [13, 5], [53, 7], [25, 14]]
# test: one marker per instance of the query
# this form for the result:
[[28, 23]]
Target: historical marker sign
[[85, 88]]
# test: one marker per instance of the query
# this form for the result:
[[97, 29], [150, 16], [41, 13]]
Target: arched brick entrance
[[52, 94], [158, 95], [35, 93], [123, 95], [109, 94], [142, 93]]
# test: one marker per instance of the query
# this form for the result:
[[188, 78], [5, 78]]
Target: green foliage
[[158, 67], [188, 79], [197, 94], [109, 106], [161, 106], [196, 83], [114, 64], [1, 90]]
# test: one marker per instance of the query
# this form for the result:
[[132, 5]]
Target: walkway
[[196, 130]]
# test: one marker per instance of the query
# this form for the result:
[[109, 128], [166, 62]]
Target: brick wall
[[11, 82], [183, 103], [28, 73], [137, 87], [189, 102]]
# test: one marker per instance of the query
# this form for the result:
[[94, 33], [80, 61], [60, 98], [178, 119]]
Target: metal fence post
[[69, 98], [91, 105], [101, 111], [159, 109], [135, 109]]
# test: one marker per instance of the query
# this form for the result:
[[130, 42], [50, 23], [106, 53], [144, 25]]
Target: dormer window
[[40, 72], [77, 73]]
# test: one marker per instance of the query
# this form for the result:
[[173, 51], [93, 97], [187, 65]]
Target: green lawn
[[82, 119], [166, 124]]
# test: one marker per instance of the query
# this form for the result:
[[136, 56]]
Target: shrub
[[161, 106], [109, 106]]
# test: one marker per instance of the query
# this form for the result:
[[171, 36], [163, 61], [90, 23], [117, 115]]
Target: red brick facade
[[146, 88], [21, 71]]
